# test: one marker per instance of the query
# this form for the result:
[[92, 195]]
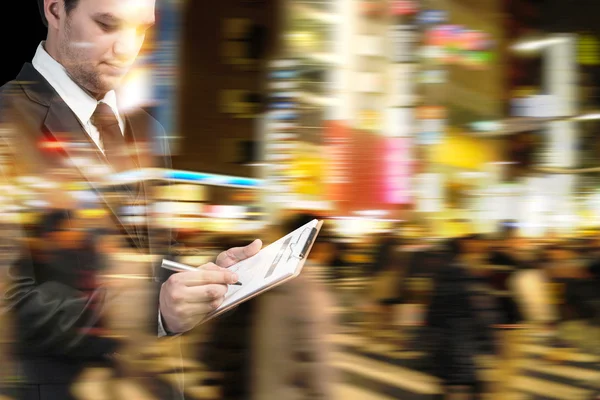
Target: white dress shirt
[[79, 101]]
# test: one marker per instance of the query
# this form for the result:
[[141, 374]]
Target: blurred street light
[[529, 46], [372, 213], [588, 117]]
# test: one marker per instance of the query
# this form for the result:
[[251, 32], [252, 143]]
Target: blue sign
[[212, 179], [430, 17]]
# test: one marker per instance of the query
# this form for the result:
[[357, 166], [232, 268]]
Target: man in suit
[[65, 137]]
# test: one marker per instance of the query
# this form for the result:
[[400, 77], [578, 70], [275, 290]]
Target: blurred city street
[[372, 364], [423, 175]]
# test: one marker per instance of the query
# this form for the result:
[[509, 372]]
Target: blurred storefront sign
[[402, 93], [399, 122], [459, 45], [367, 171], [338, 148], [463, 151], [431, 112], [404, 7], [369, 120], [398, 171], [372, 8], [434, 76], [430, 135], [181, 192], [431, 124], [427, 17], [536, 106], [429, 192], [588, 50], [210, 179], [404, 39], [281, 127], [308, 172], [166, 60]]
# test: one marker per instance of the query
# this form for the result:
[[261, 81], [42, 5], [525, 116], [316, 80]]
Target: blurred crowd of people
[[453, 299], [470, 290]]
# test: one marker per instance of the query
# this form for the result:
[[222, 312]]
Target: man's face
[[99, 40]]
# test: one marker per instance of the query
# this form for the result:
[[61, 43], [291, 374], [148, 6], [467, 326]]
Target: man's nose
[[126, 46]]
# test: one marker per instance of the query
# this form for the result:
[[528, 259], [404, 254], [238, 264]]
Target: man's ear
[[53, 10]]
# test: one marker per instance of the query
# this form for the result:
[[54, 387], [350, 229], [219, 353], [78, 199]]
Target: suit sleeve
[[53, 318], [162, 240]]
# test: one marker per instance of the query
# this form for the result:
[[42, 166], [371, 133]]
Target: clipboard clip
[[300, 252]]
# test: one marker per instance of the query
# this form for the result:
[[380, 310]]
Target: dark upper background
[[21, 32]]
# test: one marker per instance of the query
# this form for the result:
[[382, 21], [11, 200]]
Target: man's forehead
[[141, 10]]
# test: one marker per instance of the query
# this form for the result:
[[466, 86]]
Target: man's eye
[[106, 27]]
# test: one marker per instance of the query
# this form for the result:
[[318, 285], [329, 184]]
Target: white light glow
[[372, 213], [588, 117], [486, 126], [135, 92], [534, 45]]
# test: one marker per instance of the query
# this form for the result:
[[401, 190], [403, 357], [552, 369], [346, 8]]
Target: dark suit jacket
[[55, 305]]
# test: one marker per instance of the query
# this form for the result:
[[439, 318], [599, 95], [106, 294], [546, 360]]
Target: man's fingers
[[207, 277], [205, 293], [210, 267], [201, 309], [236, 254]]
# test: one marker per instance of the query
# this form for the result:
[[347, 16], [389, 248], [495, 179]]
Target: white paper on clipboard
[[274, 264]]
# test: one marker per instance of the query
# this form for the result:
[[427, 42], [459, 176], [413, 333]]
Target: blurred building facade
[[392, 110]]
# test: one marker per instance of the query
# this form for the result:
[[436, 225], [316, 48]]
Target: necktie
[[113, 142], [117, 153]]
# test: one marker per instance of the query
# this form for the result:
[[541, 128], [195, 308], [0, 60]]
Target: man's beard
[[81, 71]]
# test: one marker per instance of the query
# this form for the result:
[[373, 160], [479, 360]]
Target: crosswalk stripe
[[347, 391], [203, 392], [565, 371], [369, 346], [547, 388], [573, 355], [191, 388], [132, 390], [389, 374]]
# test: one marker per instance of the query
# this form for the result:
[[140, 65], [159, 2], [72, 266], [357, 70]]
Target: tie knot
[[104, 116]]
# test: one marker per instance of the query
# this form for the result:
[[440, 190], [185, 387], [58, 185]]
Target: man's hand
[[186, 297], [236, 254]]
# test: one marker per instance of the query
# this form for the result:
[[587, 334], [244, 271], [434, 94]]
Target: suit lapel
[[62, 125], [85, 157]]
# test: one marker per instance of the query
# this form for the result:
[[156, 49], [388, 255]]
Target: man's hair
[[69, 6]]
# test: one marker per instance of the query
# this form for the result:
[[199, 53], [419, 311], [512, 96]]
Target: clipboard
[[297, 252]]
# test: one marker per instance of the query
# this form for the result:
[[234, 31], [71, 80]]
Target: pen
[[178, 267]]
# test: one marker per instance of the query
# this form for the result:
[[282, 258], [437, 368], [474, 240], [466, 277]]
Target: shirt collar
[[78, 100]]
